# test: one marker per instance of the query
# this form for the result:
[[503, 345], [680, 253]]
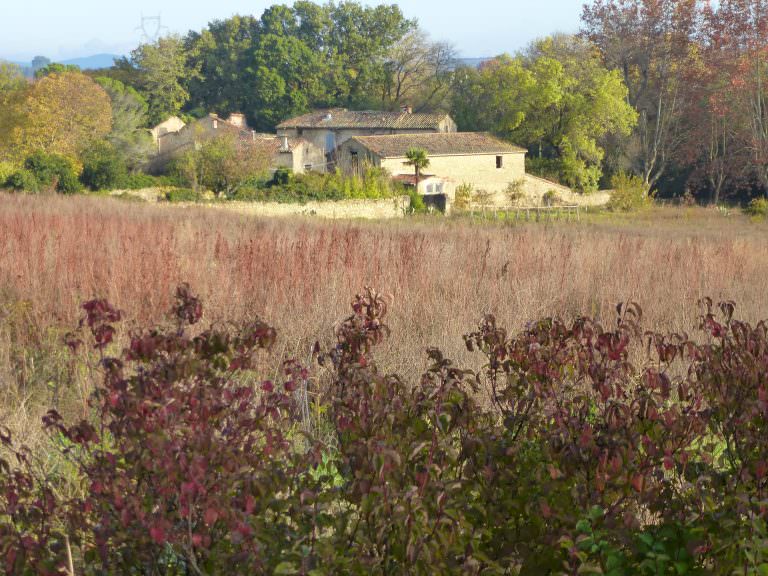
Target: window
[[355, 161], [499, 162], [308, 167], [439, 188], [430, 188]]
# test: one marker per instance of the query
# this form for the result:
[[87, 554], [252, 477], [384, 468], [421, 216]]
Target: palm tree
[[417, 157]]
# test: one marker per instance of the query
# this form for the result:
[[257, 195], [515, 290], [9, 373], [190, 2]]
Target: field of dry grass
[[441, 275]]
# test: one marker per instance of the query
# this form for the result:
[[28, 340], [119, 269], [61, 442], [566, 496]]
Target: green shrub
[[281, 177], [103, 169], [758, 207], [462, 200], [183, 195], [6, 170], [54, 171], [249, 194], [417, 205], [285, 187], [23, 180], [629, 193], [551, 198]]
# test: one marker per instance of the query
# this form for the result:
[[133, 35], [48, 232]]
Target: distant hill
[[95, 62]]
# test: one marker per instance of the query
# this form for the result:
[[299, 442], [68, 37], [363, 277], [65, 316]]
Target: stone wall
[[536, 188], [364, 209]]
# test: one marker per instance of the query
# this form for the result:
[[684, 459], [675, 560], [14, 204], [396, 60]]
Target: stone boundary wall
[[536, 187], [384, 209]]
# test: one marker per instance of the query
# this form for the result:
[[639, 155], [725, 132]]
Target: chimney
[[237, 119]]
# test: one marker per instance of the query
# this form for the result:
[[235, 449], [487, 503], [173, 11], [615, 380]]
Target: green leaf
[[285, 568]]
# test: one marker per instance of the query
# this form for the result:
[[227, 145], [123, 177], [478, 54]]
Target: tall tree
[[711, 151], [577, 103], [361, 37], [494, 98], [294, 58], [557, 99], [224, 55], [62, 114], [13, 89], [418, 72], [163, 71], [649, 42], [743, 30], [129, 135]]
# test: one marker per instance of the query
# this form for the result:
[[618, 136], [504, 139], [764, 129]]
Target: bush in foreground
[[583, 463]]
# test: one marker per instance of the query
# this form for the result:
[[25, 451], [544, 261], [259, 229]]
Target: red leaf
[[250, 504], [210, 516], [157, 532]]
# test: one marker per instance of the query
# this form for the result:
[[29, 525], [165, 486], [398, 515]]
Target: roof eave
[[443, 154]]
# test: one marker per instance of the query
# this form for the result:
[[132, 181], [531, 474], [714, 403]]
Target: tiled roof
[[339, 118], [439, 144], [271, 142]]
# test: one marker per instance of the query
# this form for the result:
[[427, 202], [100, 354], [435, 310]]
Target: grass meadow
[[441, 276]]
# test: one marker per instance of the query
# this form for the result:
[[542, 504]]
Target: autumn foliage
[[601, 450]]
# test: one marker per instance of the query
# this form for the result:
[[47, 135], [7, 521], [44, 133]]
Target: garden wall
[[536, 187], [365, 209]]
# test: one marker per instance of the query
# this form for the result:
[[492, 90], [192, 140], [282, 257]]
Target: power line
[[151, 28]]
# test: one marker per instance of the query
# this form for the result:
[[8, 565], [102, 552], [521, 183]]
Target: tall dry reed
[[299, 274]]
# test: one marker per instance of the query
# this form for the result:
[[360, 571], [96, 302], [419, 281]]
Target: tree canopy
[[556, 98], [61, 114], [294, 58]]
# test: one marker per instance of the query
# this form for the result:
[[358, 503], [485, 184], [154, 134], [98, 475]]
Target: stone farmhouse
[[330, 129], [173, 124], [174, 139], [474, 158], [338, 138], [483, 161]]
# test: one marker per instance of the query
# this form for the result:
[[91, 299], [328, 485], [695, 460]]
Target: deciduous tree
[[557, 99], [129, 136], [418, 72], [225, 163], [164, 72], [63, 114], [13, 87], [648, 42]]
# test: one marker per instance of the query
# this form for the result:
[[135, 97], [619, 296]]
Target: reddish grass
[[442, 275]]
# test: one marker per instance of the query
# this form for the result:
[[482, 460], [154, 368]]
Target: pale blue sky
[[63, 29]]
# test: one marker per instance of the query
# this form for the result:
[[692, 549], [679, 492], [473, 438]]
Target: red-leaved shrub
[[578, 449]]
